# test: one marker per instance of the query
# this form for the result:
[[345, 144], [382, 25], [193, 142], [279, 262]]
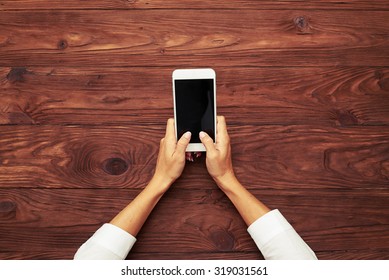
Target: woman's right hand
[[218, 155]]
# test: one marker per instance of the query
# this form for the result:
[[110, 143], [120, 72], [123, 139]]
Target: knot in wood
[[17, 74], [222, 239], [345, 118], [382, 81], [302, 24], [7, 209], [384, 84], [62, 44], [115, 166]]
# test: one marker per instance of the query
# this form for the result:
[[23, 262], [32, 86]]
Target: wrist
[[226, 181], [159, 184]]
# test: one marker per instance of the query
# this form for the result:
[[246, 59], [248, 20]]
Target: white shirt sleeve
[[277, 239], [109, 242]]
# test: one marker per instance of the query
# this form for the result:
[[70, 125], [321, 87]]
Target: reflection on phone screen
[[195, 107]]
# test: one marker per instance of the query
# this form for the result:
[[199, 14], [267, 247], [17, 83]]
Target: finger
[[170, 137], [183, 143], [189, 156], [207, 142], [222, 134], [170, 129]]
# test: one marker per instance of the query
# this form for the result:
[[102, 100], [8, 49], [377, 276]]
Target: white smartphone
[[194, 95]]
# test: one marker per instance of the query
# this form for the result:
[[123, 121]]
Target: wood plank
[[67, 253], [118, 157], [376, 254], [193, 221], [72, 156], [193, 4], [191, 38], [319, 96], [70, 217]]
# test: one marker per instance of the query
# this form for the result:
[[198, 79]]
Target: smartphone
[[194, 95]]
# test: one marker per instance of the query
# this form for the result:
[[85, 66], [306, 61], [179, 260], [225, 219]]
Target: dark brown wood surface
[[174, 38], [193, 4], [85, 91]]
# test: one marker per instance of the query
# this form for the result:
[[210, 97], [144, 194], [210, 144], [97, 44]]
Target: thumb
[[183, 142], [207, 142]]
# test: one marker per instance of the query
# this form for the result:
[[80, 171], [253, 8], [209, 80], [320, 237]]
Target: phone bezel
[[194, 74]]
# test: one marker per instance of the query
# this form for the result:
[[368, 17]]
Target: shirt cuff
[[114, 239], [267, 227]]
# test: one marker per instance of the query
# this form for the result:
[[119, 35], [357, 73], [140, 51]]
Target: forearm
[[132, 217], [274, 236], [115, 240], [249, 207]]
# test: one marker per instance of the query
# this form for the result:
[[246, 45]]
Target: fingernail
[[201, 134], [187, 134]]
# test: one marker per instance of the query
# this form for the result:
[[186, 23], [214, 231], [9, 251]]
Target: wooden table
[[85, 92]]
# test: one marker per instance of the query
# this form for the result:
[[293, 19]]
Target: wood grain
[[85, 92], [341, 97], [192, 221], [124, 157], [181, 38], [193, 4], [68, 253]]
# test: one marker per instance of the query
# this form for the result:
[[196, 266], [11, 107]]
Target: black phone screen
[[195, 108]]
